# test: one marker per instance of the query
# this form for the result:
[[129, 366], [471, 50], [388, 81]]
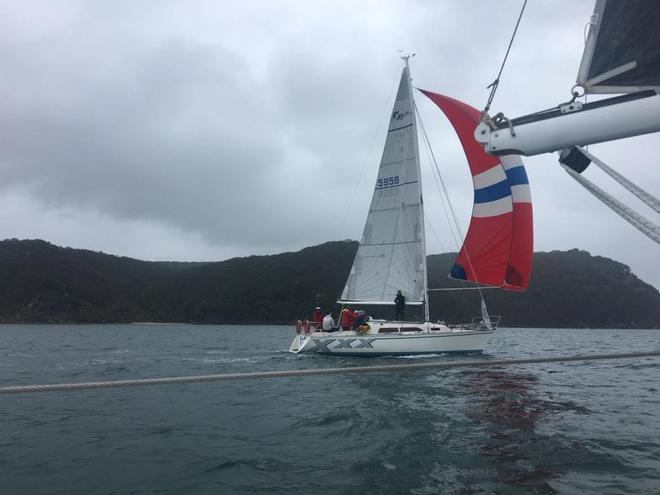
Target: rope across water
[[481, 363]]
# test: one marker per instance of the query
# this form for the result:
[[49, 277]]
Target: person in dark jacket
[[399, 306]]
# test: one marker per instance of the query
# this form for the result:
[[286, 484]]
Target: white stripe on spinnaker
[[521, 193], [493, 208], [489, 177]]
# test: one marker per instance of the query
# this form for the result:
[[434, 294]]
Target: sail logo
[[396, 115]]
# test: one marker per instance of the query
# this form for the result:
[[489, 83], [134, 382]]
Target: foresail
[[391, 252], [497, 249], [622, 51]]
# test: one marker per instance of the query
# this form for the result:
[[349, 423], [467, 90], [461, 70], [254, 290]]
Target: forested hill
[[40, 282]]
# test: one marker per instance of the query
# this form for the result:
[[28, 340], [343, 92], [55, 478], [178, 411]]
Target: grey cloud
[[181, 138], [248, 125]]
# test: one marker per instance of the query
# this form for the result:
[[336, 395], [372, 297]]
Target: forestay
[[622, 51], [391, 254]]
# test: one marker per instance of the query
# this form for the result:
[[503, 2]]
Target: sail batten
[[392, 243], [397, 185]]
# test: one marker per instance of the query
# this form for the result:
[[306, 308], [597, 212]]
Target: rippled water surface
[[544, 428]]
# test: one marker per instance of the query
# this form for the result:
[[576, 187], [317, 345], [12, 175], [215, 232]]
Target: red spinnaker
[[497, 249]]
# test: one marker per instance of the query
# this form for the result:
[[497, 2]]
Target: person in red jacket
[[347, 318], [317, 318]]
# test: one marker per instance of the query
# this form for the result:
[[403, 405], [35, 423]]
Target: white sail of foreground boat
[[497, 250]]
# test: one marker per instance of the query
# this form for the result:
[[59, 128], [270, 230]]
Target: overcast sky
[[207, 130]]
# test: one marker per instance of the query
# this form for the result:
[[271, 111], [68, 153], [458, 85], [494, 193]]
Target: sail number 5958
[[388, 181]]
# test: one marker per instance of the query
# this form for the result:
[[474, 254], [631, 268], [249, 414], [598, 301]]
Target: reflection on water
[[509, 405]]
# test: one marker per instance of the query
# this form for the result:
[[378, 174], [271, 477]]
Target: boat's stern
[[301, 343], [295, 345], [303, 330]]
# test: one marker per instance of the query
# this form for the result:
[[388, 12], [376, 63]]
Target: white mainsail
[[391, 255]]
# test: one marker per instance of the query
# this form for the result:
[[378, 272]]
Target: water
[[544, 428]]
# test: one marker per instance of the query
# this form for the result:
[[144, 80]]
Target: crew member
[[361, 325], [329, 323], [317, 317], [360, 318], [346, 319], [399, 306]]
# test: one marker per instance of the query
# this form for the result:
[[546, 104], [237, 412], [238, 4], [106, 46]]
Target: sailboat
[[391, 257]]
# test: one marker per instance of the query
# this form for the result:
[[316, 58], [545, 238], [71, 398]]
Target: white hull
[[401, 339]]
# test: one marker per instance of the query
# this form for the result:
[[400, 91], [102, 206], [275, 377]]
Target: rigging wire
[[438, 239], [450, 227], [439, 184], [493, 86], [444, 188], [436, 179]]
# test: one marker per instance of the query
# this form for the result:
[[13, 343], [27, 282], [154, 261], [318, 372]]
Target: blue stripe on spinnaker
[[517, 176], [492, 193], [457, 271]]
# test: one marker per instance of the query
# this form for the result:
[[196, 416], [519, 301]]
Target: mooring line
[[20, 389]]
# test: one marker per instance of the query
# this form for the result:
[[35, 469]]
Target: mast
[[406, 59]]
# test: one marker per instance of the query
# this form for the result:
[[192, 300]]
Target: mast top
[[406, 56]]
